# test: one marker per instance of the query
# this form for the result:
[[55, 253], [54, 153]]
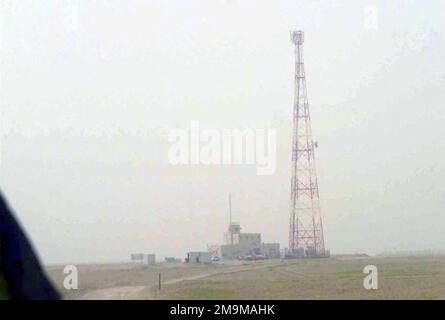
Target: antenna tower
[[306, 227]]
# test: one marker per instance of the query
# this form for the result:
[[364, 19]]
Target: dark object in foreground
[[19, 265]]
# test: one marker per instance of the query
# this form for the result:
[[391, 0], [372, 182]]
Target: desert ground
[[338, 277]]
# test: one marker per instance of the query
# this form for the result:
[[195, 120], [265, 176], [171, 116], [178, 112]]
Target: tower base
[[302, 253]]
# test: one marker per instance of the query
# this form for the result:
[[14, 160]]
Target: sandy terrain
[[334, 278], [127, 281]]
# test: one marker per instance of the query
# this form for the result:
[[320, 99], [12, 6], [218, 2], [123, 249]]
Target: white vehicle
[[215, 258]]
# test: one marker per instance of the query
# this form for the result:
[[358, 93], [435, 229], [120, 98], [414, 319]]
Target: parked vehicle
[[261, 257]]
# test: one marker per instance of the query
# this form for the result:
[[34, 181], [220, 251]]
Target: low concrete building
[[149, 258], [244, 244], [143, 258], [199, 256]]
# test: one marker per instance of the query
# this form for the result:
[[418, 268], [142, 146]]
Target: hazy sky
[[90, 89]]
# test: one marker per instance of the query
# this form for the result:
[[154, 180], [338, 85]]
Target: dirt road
[[145, 292]]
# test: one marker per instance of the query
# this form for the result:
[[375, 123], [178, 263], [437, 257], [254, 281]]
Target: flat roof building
[[240, 244]]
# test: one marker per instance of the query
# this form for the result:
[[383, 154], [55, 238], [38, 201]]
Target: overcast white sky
[[89, 90]]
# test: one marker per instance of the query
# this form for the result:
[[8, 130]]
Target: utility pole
[[230, 218], [230, 208]]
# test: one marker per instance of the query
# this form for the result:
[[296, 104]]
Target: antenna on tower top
[[297, 37]]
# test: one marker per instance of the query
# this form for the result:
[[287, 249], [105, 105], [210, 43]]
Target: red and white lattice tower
[[306, 226]]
